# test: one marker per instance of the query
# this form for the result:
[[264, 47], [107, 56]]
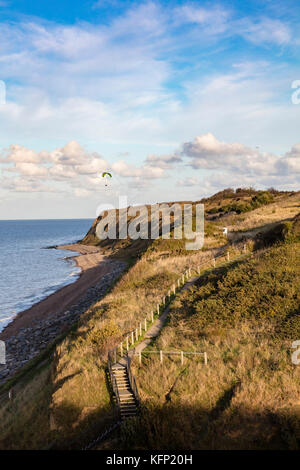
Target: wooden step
[[127, 400], [128, 415], [130, 407]]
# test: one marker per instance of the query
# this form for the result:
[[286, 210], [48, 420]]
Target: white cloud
[[290, 162], [80, 192], [71, 166], [214, 19], [208, 152], [163, 161], [265, 31], [126, 170], [20, 154], [188, 182], [149, 79], [31, 169], [21, 185]]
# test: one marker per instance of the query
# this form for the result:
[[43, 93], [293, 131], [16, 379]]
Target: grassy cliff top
[[244, 315]]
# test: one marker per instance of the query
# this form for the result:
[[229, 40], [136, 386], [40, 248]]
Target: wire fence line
[[136, 334], [104, 435], [133, 337], [166, 353]]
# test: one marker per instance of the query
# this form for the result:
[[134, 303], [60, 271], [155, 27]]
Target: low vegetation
[[244, 316]]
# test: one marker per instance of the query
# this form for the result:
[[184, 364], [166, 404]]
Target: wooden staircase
[[125, 396]]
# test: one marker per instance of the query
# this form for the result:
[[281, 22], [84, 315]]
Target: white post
[[121, 349], [228, 256], [141, 329], [161, 356], [145, 324], [127, 343], [132, 337], [181, 357], [158, 309], [205, 358], [136, 334], [174, 289], [178, 283], [199, 270], [152, 316]]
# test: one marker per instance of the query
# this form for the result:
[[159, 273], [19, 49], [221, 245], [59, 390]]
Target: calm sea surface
[[28, 271]]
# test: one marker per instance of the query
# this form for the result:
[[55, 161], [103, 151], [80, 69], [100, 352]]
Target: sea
[[29, 269]]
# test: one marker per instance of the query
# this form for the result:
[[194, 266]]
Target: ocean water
[[29, 271]]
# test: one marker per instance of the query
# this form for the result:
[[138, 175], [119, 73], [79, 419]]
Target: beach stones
[[29, 342]]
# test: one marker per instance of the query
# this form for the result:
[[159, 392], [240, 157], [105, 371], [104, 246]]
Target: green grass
[[245, 316]]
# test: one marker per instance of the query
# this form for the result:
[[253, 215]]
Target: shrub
[[100, 336]]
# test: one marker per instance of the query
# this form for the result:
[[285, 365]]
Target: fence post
[[140, 357], [127, 343], [158, 309], [132, 337], [141, 329], [136, 334], [199, 270], [183, 279], [181, 357], [161, 356], [121, 349], [178, 283], [228, 256], [174, 289], [145, 324], [152, 316], [115, 355], [214, 262], [205, 358]]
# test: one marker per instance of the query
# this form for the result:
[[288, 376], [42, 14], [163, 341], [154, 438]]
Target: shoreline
[[93, 266], [33, 329]]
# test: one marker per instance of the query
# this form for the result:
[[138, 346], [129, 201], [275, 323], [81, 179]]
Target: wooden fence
[[166, 353], [131, 338]]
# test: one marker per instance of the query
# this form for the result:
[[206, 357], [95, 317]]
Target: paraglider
[[106, 175]]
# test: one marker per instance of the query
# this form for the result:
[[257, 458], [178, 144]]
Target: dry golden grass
[[245, 397], [283, 208], [70, 403], [248, 396], [25, 419]]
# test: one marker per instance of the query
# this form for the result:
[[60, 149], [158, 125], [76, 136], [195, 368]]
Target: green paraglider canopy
[[106, 173]]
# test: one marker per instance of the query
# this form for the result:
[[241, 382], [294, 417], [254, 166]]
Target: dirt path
[[157, 326], [236, 236]]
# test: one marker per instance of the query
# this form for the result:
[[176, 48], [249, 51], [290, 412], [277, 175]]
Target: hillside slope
[[245, 316], [64, 399]]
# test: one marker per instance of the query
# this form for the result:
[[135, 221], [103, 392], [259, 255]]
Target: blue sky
[[177, 99]]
